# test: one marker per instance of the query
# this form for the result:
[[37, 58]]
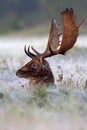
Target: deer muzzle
[[20, 73]]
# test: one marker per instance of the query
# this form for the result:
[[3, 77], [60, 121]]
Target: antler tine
[[35, 51], [81, 22], [28, 53]]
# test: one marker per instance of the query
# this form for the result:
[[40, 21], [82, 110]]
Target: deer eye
[[34, 66]]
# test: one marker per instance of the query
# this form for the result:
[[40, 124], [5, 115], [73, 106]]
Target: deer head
[[38, 69]]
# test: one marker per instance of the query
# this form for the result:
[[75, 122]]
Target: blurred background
[[65, 107], [34, 16]]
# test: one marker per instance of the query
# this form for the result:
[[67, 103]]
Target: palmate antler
[[70, 34], [53, 42]]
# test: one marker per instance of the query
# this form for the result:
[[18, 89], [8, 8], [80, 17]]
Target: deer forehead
[[29, 64]]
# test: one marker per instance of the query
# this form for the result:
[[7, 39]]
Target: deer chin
[[22, 74]]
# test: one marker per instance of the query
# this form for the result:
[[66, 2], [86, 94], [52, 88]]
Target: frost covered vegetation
[[63, 106]]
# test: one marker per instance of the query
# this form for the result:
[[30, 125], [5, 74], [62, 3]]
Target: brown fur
[[38, 73], [38, 69]]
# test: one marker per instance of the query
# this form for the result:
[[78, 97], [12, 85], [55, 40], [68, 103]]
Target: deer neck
[[42, 80]]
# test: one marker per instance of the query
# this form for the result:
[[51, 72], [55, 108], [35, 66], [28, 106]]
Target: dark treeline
[[18, 14]]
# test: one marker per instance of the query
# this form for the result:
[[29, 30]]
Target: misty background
[[64, 107], [19, 15]]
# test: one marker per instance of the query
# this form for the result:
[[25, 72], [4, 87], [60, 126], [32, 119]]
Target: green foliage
[[39, 96], [1, 95]]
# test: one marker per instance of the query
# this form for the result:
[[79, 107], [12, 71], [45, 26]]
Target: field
[[63, 106]]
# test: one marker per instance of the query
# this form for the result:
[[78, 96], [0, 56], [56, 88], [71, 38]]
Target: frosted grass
[[63, 107]]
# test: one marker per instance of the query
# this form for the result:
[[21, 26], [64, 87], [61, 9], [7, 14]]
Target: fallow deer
[[38, 69]]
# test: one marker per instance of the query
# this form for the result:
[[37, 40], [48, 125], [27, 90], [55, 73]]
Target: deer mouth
[[22, 74]]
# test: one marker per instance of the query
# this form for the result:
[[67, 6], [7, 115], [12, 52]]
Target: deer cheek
[[34, 71]]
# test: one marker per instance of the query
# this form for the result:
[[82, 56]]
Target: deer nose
[[19, 73]]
